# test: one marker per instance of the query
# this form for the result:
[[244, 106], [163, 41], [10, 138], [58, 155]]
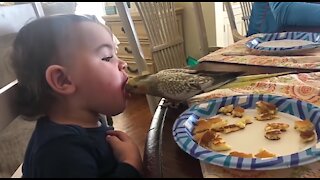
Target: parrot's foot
[[166, 104], [170, 104]]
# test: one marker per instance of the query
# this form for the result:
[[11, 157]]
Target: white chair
[[246, 8], [167, 43], [12, 18]]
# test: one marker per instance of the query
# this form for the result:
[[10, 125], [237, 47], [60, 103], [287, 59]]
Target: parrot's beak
[[129, 88], [134, 87]]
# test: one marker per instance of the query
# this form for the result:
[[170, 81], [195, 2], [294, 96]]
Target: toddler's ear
[[59, 81]]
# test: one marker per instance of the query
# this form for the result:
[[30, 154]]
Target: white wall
[[192, 43], [92, 8], [208, 9]]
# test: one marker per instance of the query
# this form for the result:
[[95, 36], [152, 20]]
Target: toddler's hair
[[37, 46]]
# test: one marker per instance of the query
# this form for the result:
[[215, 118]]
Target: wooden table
[[164, 158]]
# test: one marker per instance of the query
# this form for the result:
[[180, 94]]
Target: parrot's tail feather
[[220, 73], [263, 76], [243, 81], [218, 85], [221, 79]]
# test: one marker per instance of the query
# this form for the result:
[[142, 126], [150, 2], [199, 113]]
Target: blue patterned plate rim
[[303, 110], [314, 38]]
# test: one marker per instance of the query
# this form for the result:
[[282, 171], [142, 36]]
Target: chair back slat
[[246, 8], [246, 13], [162, 28]]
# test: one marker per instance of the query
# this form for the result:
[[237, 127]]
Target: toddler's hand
[[125, 149]]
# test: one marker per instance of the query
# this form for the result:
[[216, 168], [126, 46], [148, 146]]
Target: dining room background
[[215, 17]]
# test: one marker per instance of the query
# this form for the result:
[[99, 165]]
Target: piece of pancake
[[273, 134], [281, 126], [244, 121], [240, 124], [264, 154], [238, 112], [217, 123], [197, 137], [214, 123], [201, 126], [266, 107], [227, 110], [212, 140], [306, 129], [265, 117], [307, 136], [241, 154], [265, 111], [231, 128], [302, 126]]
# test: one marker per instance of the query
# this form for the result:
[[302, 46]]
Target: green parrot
[[179, 84]]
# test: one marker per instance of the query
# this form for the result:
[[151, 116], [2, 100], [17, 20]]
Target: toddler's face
[[98, 73]]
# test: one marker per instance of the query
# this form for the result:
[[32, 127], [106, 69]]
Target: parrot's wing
[[200, 83], [181, 70], [182, 86], [220, 79]]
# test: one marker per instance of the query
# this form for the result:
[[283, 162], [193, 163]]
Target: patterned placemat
[[307, 171], [303, 86], [240, 53]]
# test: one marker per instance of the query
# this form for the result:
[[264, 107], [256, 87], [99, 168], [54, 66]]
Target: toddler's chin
[[120, 109]]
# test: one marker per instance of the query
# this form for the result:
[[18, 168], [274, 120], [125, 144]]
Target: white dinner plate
[[290, 149], [285, 43]]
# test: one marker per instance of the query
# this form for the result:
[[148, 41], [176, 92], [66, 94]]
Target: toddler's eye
[[107, 58]]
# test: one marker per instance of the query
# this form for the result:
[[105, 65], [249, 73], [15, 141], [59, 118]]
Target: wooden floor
[[135, 120]]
